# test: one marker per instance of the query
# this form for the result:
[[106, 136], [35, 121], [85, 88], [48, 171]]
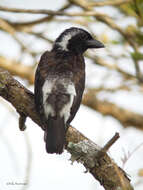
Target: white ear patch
[[64, 42]]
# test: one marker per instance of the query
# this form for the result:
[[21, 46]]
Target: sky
[[26, 150]]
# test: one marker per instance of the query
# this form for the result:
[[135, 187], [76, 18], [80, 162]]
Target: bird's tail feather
[[55, 135]]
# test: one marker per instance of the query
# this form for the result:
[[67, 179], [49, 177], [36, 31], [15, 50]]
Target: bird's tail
[[55, 135]]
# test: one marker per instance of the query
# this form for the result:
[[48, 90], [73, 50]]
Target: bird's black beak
[[94, 44]]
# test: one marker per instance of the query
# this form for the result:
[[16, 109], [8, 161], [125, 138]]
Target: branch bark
[[103, 168]]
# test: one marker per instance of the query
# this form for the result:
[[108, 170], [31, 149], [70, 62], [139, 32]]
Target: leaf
[[128, 9], [137, 56], [139, 38]]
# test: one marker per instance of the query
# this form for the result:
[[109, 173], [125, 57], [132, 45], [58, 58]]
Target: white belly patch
[[55, 85]]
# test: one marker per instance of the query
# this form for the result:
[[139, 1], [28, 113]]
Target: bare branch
[[128, 155], [4, 25], [101, 17], [110, 142], [100, 61], [111, 23], [100, 4], [27, 24], [106, 147], [125, 117], [23, 100], [110, 3], [106, 108]]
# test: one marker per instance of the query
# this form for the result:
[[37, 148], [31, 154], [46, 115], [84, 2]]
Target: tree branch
[[125, 117], [102, 168], [89, 5], [104, 107], [110, 3], [18, 69], [101, 62], [46, 11], [21, 25], [88, 12]]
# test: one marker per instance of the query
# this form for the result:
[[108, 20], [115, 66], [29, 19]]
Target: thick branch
[[104, 169], [106, 108]]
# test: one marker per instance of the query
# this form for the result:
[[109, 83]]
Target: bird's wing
[[79, 86], [40, 76]]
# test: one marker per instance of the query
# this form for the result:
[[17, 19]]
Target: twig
[[39, 35], [106, 147], [110, 142], [129, 155], [110, 3], [4, 25], [89, 5], [99, 61], [20, 25], [34, 11], [101, 17], [22, 120], [110, 22], [52, 13]]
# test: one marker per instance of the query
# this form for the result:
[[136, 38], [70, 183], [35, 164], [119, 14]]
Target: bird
[[59, 84]]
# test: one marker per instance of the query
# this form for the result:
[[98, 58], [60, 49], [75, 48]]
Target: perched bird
[[59, 84]]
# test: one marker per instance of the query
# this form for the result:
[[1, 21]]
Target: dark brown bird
[[59, 84]]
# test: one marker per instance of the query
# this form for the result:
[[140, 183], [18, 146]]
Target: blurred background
[[112, 102]]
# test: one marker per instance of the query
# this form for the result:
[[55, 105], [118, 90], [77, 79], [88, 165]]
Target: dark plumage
[[59, 84]]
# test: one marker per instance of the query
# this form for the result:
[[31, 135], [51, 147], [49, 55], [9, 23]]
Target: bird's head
[[76, 40]]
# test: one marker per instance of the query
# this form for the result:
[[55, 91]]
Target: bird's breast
[[58, 95]]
